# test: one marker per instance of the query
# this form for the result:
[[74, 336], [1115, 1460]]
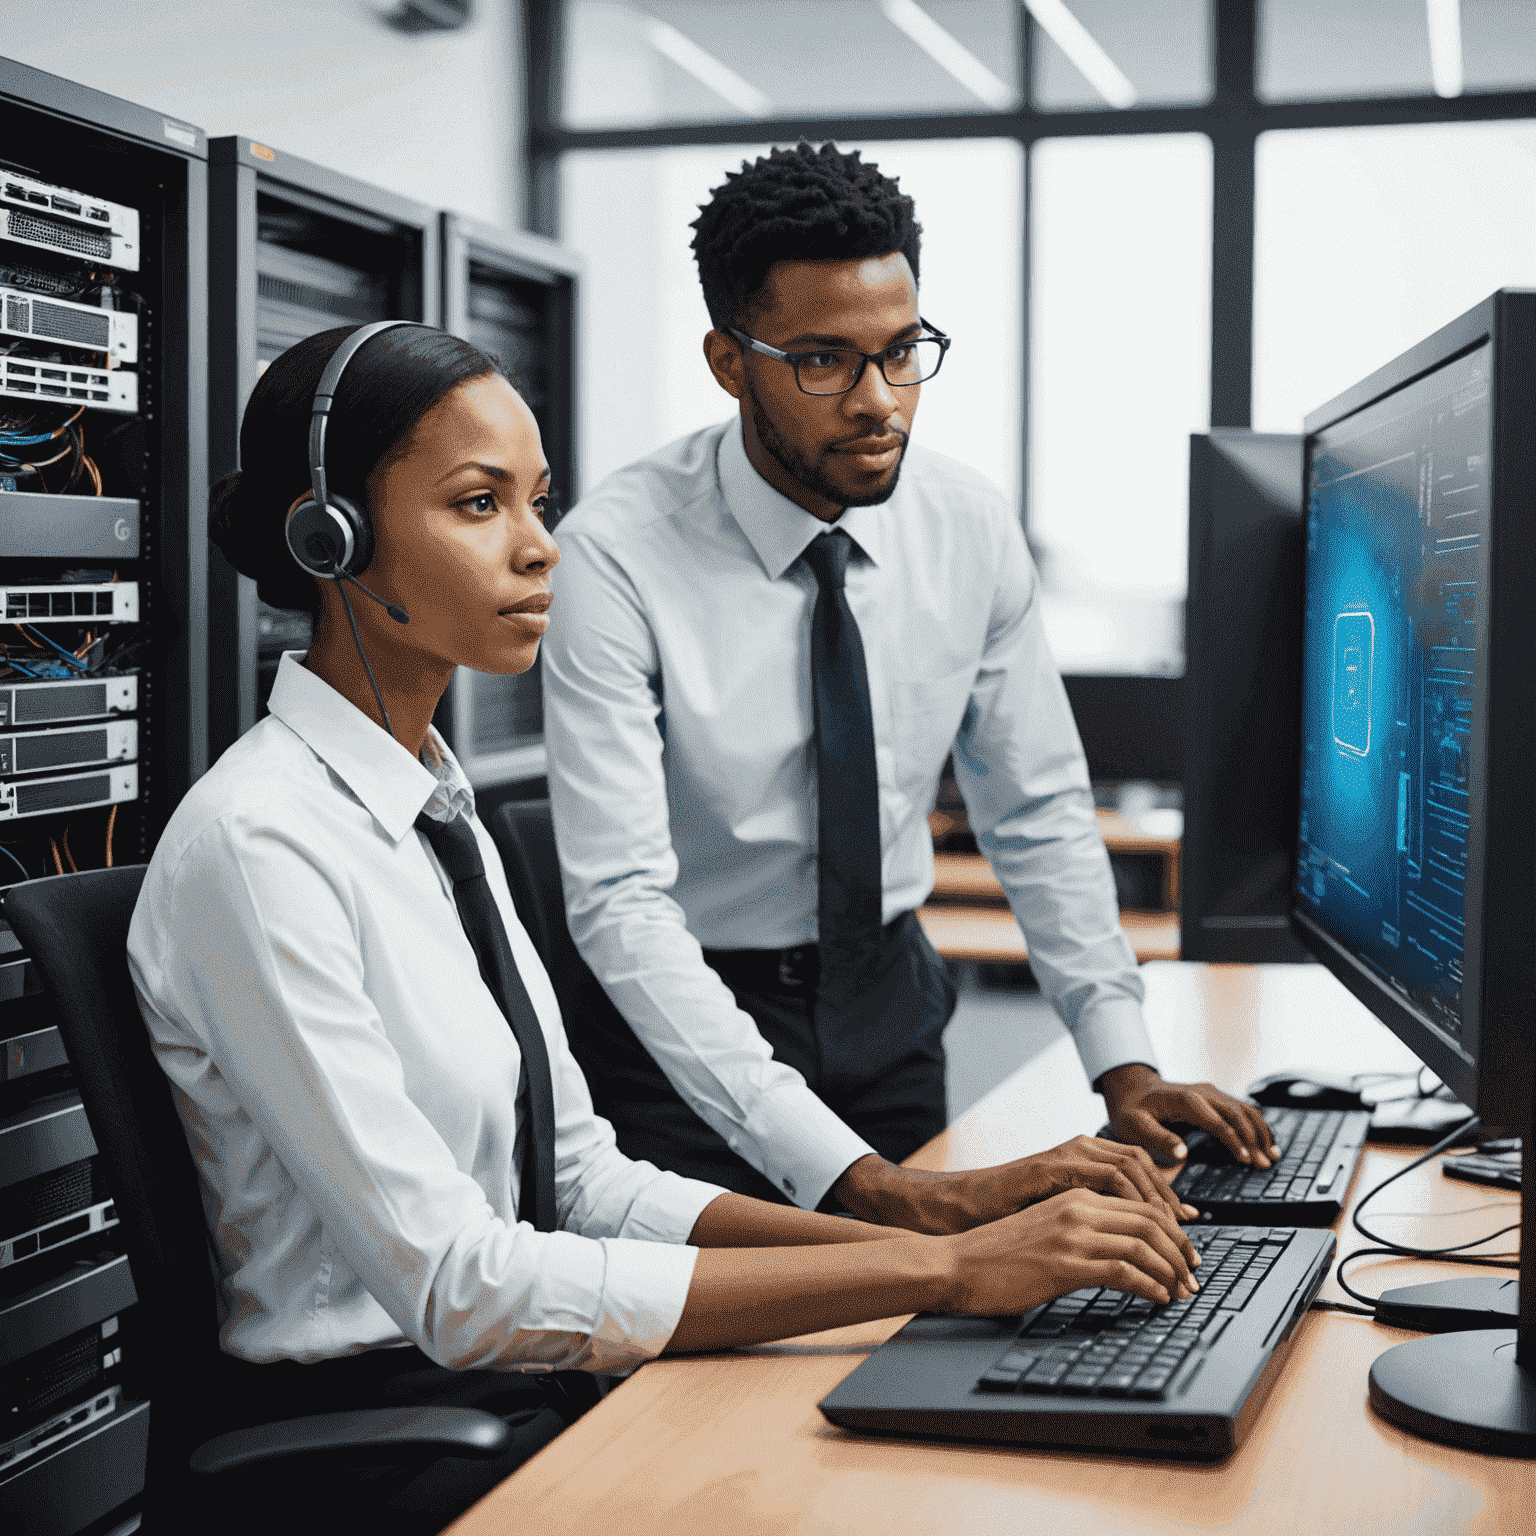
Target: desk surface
[[733, 1443]]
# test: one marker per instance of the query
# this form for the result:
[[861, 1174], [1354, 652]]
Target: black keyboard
[[1303, 1137], [1102, 1343]]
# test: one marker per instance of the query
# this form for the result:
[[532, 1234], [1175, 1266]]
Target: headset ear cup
[[362, 533], [318, 539]]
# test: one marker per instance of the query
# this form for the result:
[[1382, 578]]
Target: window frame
[[1233, 119]]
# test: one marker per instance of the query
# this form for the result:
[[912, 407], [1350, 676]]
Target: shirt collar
[[777, 528], [392, 785]]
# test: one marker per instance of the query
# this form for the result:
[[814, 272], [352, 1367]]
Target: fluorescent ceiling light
[[1083, 49], [1444, 17], [705, 68], [949, 53]]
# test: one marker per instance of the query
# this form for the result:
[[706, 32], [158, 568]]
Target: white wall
[[436, 116]]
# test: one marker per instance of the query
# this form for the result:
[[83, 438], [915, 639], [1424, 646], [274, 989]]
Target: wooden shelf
[[990, 936]]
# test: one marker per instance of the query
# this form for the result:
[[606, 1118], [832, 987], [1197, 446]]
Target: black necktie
[[847, 789], [457, 851]]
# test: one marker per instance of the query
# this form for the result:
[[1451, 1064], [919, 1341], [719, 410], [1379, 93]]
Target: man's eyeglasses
[[836, 370]]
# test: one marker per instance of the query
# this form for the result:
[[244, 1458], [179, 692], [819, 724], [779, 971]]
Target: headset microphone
[[331, 537], [394, 610]]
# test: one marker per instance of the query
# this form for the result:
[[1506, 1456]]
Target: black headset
[[331, 537]]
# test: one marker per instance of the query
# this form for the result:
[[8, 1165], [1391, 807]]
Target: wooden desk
[[733, 1443]]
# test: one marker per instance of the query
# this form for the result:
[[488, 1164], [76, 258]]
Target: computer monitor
[[1242, 684], [1415, 876]]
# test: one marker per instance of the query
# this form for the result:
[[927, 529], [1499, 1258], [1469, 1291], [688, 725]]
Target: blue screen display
[[1397, 551]]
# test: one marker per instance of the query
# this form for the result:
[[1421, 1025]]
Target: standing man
[[767, 639]]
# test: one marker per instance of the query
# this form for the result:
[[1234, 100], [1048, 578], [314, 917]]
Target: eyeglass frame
[[794, 358]]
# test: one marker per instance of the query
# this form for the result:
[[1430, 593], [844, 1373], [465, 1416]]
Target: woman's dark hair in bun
[[387, 388]]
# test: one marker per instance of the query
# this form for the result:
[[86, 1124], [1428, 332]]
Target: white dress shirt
[[348, 1083], [678, 720]]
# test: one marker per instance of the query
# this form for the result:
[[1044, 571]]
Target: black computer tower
[[514, 295], [1242, 700], [293, 248], [103, 700]]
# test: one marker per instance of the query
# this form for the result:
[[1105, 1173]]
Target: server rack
[[103, 698], [293, 248], [513, 294]]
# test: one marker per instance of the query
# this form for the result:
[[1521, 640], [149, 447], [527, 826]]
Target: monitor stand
[[1452, 1306], [1465, 1387], [1461, 1388]]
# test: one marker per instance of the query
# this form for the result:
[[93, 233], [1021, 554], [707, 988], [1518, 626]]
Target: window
[[1313, 50], [1119, 378], [1367, 239]]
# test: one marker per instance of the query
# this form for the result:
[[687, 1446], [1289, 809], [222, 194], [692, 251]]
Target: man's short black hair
[[799, 204]]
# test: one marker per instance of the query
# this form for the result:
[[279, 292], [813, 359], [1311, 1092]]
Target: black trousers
[[878, 1066], [397, 1497]]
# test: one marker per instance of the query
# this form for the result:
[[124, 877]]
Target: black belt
[[794, 970]]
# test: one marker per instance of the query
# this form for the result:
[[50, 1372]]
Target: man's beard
[[801, 469]]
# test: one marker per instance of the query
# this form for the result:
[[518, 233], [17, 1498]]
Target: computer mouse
[[1307, 1088]]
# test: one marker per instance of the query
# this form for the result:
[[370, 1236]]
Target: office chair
[[75, 929], [603, 1044]]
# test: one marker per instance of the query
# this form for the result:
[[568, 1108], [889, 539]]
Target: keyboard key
[[1280, 1236], [1151, 1384], [999, 1381], [1046, 1376], [1253, 1235], [1079, 1383], [1117, 1383]]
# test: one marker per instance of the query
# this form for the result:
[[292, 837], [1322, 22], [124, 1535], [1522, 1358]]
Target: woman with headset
[[409, 1193]]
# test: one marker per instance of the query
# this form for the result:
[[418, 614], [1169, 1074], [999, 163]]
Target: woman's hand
[[1073, 1240]]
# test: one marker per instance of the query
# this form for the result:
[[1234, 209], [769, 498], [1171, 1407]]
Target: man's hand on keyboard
[[1142, 1107], [1066, 1243], [881, 1192]]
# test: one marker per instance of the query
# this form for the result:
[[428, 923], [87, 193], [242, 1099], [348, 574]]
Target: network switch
[[82, 698], [50, 218], [100, 1405], [63, 322], [70, 746], [72, 792], [38, 380], [61, 527], [109, 602], [43, 1213]]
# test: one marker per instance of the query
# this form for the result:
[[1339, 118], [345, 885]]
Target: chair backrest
[[613, 1060], [524, 832], [75, 928]]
